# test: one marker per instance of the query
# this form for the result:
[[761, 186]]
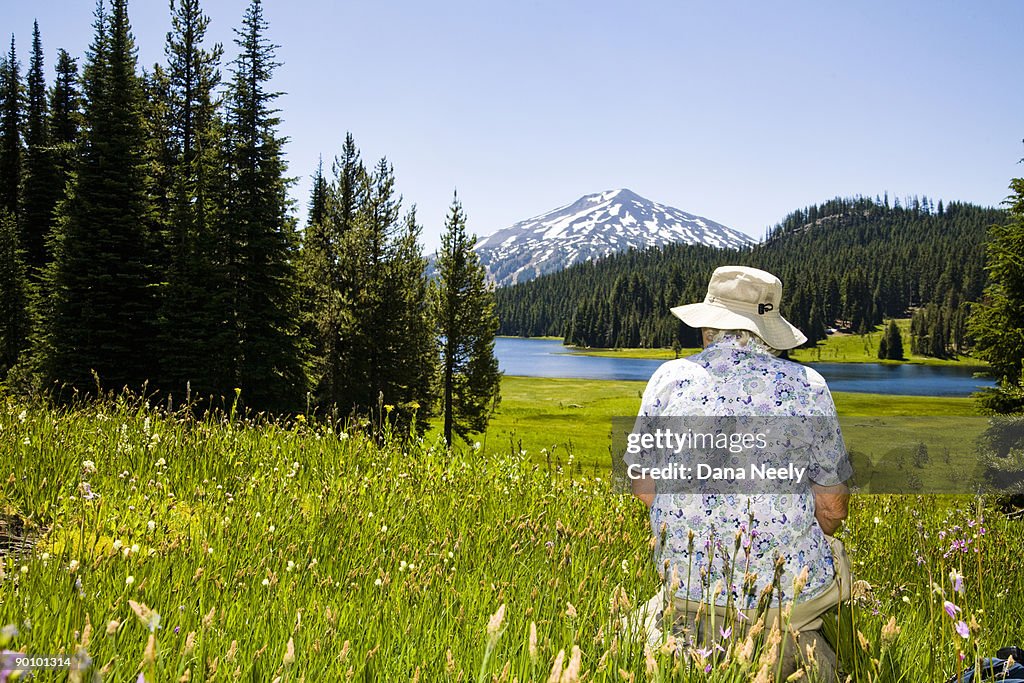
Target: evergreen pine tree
[[65, 119], [366, 253], [42, 184], [320, 305], [997, 323], [336, 298], [349, 187], [893, 342], [159, 152], [11, 150], [13, 296], [365, 297], [413, 359], [258, 232], [194, 339], [63, 130], [102, 313], [464, 312], [317, 214]]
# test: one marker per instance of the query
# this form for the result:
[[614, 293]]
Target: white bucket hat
[[742, 298]]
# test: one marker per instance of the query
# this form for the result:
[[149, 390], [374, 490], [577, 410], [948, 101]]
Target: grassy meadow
[[551, 419], [836, 348], [229, 550]]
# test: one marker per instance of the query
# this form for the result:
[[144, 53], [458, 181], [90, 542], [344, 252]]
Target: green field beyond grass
[[225, 550], [553, 418], [837, 348]]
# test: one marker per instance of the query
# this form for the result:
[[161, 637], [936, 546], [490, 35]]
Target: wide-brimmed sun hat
[[742, 298]]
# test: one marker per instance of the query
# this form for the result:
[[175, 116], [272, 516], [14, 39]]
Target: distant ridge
[[592, 227]]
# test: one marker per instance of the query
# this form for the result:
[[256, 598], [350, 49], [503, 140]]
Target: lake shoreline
[[805, 356], [549, 358]]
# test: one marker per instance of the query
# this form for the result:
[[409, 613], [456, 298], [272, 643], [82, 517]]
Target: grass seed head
[[572, 672], [889, 632], [556, 668], [495, 622], [149, 656]]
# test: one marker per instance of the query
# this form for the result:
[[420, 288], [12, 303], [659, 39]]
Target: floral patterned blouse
[[737, 535]]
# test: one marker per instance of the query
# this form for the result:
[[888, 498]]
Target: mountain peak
[[621, 194], [592, 227]]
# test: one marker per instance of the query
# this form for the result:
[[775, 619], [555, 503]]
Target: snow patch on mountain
[[593, 227]]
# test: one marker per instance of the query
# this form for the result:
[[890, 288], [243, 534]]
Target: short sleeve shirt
[[731, 379]]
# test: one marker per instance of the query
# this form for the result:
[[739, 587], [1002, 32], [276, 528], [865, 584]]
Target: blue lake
[[549, 358]]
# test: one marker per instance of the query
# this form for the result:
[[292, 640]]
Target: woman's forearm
[[644, 490], [831, 504], [830, 525]]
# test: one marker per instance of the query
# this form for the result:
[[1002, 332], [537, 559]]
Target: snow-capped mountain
[[592, 227]]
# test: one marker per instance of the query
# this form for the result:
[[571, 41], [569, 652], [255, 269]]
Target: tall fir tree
[[464, 313], [367, 298], [890, 347], [160, 158], [349, 187], [13, 309], [102, 281], [330, 262], [65, 119], [11, 147], [194, 337], [365, 253], [410, 332], [311, 267], [14, 320], [63, 130], [321, 308], [42, 187], [997, 323], [258, 232]]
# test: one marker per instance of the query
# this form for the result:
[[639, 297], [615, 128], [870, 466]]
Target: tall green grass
[[302, 552]]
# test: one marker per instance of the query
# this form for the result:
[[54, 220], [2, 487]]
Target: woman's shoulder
[[806, 372], [689, 366]]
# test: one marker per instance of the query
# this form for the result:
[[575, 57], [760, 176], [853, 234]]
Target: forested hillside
[[848, 263]]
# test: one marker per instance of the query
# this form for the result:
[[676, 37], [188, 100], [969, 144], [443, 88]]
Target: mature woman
[[726, 541]]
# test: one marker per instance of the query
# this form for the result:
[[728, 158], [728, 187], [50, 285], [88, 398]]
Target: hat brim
[[775, 330]]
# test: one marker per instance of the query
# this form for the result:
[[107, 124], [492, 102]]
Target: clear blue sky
[[737, 111]]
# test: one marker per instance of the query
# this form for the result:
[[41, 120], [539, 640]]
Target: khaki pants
[[804, 618]]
